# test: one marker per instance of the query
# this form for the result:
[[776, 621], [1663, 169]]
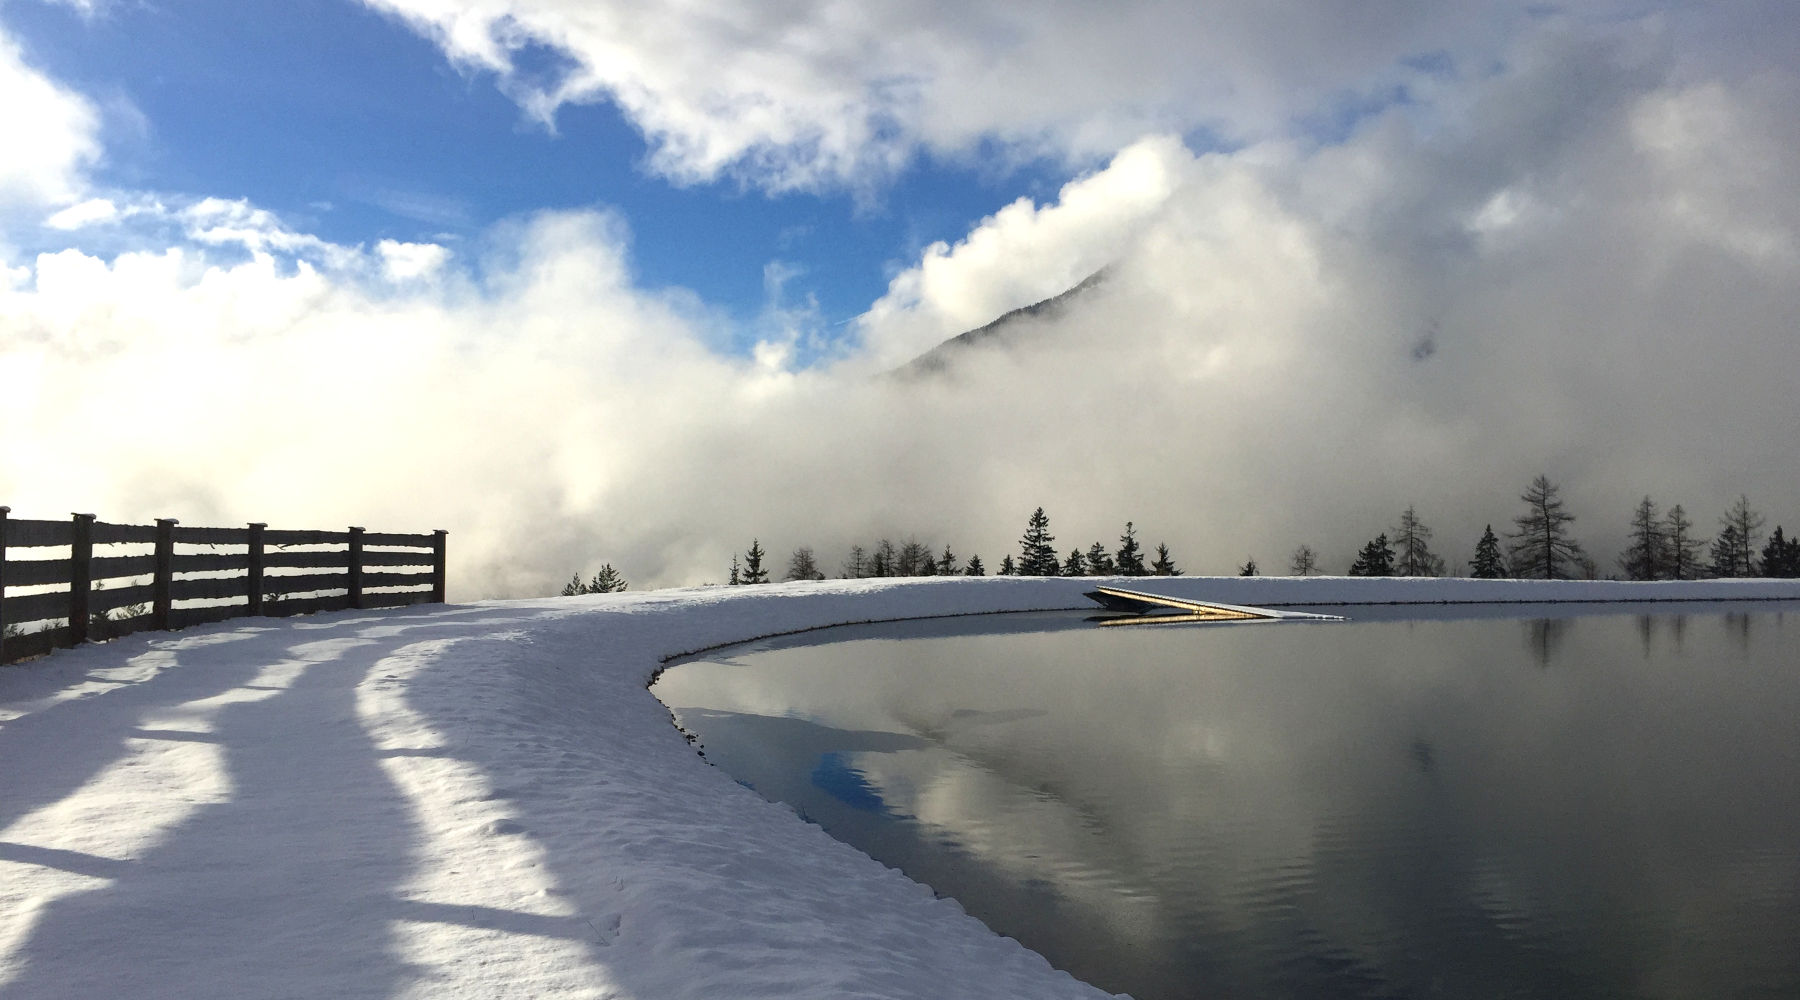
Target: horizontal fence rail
[[192, 576]]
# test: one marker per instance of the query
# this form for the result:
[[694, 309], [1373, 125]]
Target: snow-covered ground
[[485, 801]]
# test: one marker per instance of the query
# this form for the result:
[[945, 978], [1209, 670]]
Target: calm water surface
[[1597, 806]]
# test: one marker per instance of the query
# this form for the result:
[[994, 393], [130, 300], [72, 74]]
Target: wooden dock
[[1137, 608]]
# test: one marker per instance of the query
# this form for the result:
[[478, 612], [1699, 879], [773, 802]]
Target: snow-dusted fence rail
[[164, 576]]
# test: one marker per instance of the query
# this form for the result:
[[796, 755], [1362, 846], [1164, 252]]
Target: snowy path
[[478, 801]]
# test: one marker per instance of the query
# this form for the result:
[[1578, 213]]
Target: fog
[[1582, 263]]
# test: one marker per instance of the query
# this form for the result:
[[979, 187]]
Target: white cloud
[[824, 92], [410, 261], [49, 136], [1712, 157], [83, 214], [225, 222], [1023, 253], [271, 388]]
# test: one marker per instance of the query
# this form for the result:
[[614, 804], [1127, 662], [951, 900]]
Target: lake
[[1493, 801]]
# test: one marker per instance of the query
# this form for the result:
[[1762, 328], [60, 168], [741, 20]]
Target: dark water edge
[[1603, 803]]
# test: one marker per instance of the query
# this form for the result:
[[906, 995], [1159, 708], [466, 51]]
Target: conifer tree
[[1683, 547], [1163, 565], [946, 565], [1099, 561], [975, 568], [607, 581], [1007, 567], [1375, 559], [884, 561], [1304, 561], [1489, 562], [1036, 556], [1249, 568], [1130, 561], [1647, 555], [574, 588], [802, 566], [1781, 557], [1725, 549], [1412, 548], [1542, 549], [857, 566], [912, 560], [1075, 565], [736, 578], [1746, 525], [753, 567], [927, 565]]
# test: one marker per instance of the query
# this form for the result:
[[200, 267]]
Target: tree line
[[1664, 545], [607, 581], [1037, 557], [1542, 546]]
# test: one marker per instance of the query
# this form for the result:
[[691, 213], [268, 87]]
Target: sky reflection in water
[[1603, 805]]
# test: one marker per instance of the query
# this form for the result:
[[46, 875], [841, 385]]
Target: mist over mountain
[[1012, 331]]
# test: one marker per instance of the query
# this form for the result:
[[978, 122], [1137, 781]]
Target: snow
[[486, 801]]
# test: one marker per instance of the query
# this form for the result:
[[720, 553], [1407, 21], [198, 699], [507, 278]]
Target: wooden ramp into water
[[1138, 608]]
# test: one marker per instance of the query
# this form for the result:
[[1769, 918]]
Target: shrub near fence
[[253, 570]]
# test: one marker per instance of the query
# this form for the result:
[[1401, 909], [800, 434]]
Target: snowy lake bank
[[485, 800]]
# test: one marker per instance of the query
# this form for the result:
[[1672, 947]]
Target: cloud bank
[[1583, 263], [819, 92]]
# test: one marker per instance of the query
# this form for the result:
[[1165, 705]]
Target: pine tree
[[883, 562], [1746, 525], [975, 568], [1036, 556], [1725, 550], [913, 558], [1075, 565], [1304, 561], [753, 567], [1249, 568], [801, 565], [1781, 557], [1541, 548], [1489, 563], [574, 588], [1007, 568], [1163, 565], [857, 566], [607, 581], [1099, 562], [1130, 561], [1683, 547], [946, 565], [1647, 557], [736, 578], [1375, 559], [1413, 555]]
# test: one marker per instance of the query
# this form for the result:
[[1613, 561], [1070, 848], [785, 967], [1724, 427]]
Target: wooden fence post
[[356, 568], [81, 577], [438, 576], [254, 581], [165, 573], [3, 512]]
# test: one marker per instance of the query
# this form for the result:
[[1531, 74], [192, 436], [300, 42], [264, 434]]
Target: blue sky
[[354, 128]]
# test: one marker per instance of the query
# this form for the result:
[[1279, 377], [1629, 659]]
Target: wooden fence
[[164, 576]]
